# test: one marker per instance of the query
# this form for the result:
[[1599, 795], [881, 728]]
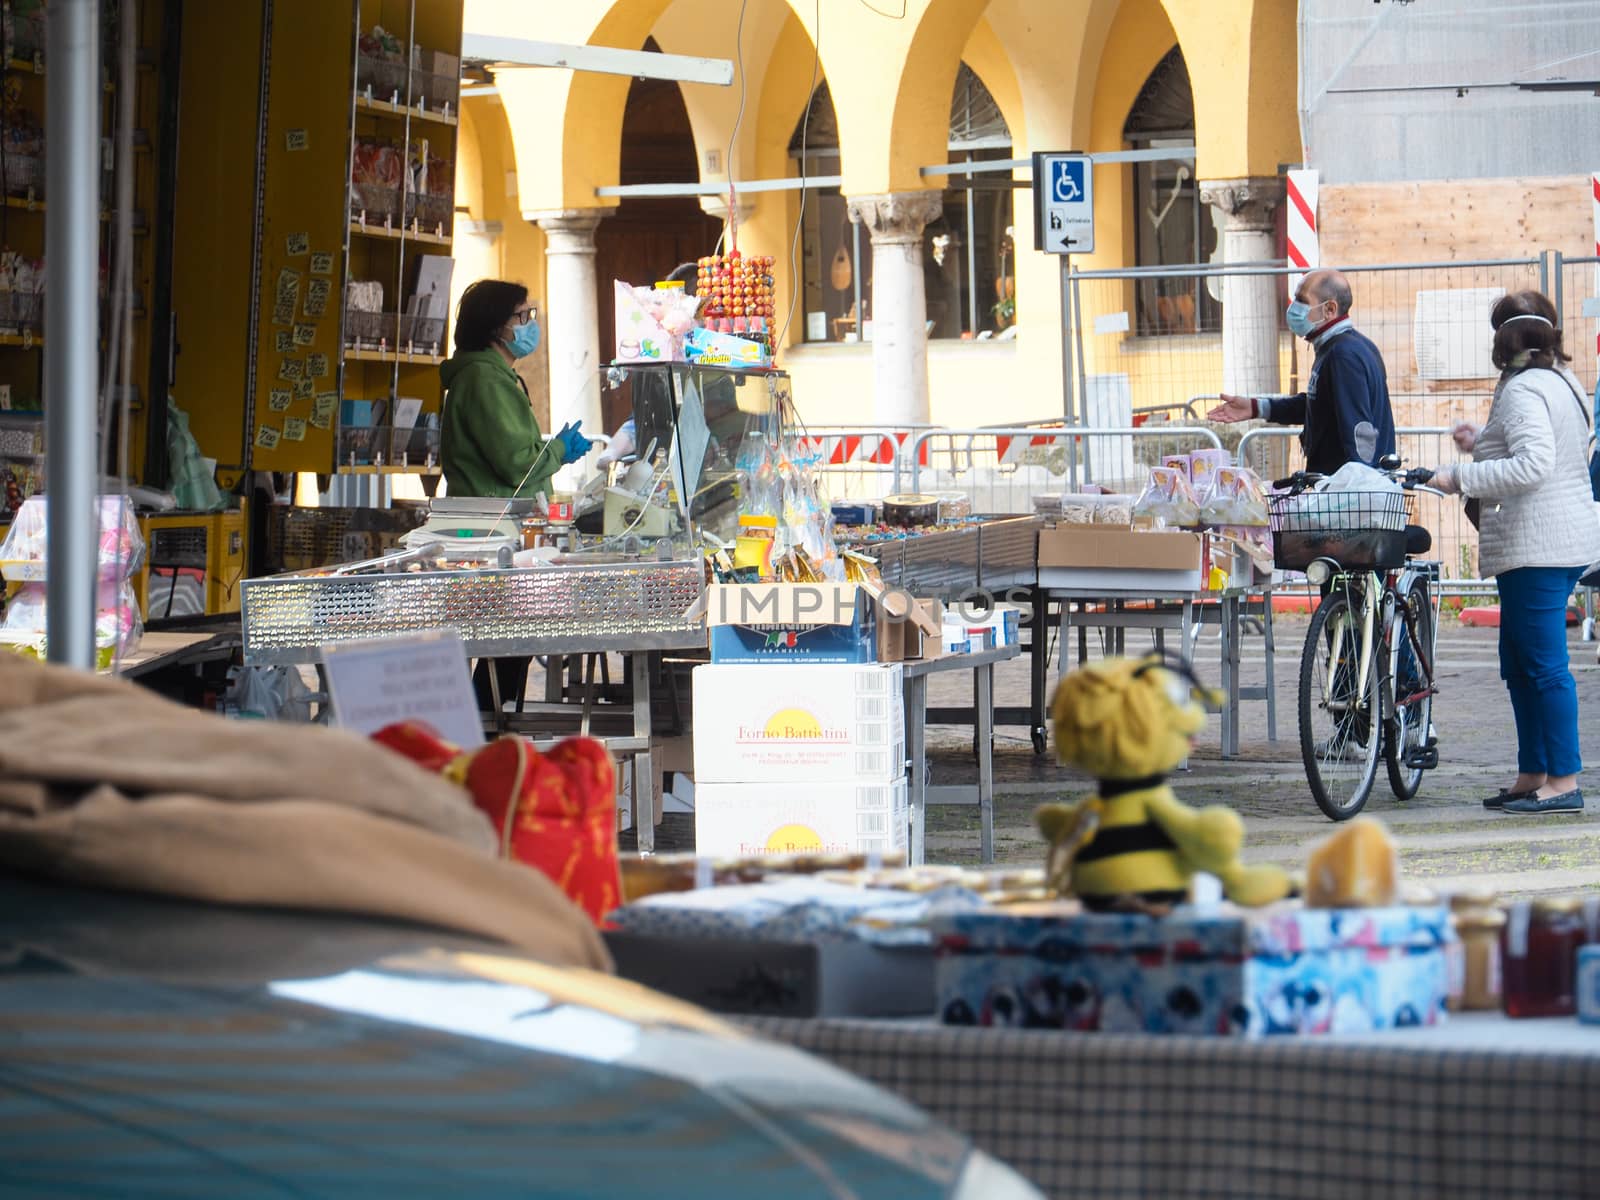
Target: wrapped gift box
[[1225, 972]]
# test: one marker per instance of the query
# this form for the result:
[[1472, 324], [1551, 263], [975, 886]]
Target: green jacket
[[491, 437]]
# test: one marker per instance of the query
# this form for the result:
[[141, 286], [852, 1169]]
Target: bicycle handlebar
[[1409, 480]]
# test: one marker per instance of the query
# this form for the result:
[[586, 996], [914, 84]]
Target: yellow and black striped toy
[[1133, 844]]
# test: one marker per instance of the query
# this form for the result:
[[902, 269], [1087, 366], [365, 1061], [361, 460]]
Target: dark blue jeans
[[1533, 662]]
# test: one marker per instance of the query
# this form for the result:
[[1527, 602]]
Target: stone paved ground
[[1445, 835]]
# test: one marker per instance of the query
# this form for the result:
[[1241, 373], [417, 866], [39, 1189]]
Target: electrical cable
[[796, 283], [733, 136]]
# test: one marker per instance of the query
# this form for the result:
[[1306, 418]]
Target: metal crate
[[435, 93], [374, 202], [553, 610], [381, 79], [421, 335], [24, 175], [368, 329], [432, 212]]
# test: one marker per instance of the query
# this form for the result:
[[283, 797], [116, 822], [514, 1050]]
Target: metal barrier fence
[[856, 462], [1577, 299], [1152, 337], [1273, 451], [1002, 470]]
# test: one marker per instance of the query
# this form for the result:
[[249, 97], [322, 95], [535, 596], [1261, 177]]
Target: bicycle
[[1367, 670]]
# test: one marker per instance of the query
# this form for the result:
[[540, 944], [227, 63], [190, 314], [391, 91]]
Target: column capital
[[1249, 203], [569, 230], [896, 217]]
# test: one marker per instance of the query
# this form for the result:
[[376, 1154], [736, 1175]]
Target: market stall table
[[1180, 611], [1481, 1108], [982, 666]]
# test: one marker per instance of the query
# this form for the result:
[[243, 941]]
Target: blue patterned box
[[1589, 984], [1284, 969]]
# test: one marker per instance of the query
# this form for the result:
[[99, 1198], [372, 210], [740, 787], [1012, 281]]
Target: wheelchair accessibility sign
[[1063, 203]]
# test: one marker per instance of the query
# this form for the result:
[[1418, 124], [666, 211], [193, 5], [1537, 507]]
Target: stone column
[[570, 315], [895, 222], [1245, 210]]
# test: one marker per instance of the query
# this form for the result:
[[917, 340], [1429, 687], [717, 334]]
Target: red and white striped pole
[[1304, 251]]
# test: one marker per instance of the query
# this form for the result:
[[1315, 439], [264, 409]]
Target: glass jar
[[535, 532], [1539, 955], [1481, 975]]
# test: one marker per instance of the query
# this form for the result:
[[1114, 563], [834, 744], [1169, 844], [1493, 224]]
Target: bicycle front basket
[[1361, 531]]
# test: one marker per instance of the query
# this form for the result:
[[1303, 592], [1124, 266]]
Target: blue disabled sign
[[1063, 203]]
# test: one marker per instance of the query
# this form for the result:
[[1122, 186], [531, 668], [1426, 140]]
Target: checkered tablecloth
[[1483, 1109]]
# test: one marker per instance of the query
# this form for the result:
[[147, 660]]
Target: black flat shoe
[[1537, 805], [1500, 800]]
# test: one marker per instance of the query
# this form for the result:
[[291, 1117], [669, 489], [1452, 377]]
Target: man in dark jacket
[[1345, 407]]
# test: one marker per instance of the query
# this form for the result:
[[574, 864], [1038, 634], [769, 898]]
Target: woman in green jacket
[[491, 444]]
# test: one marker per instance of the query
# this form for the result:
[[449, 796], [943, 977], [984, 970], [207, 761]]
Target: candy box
[[724, 350], [1223, 972], [651, 323]]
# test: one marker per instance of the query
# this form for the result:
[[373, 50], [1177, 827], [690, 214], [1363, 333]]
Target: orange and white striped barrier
[[1304, 250]]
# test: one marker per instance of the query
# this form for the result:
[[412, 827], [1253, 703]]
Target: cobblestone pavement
[[1446, 837]]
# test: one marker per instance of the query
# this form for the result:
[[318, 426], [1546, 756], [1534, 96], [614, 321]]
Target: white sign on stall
[[378, 681]]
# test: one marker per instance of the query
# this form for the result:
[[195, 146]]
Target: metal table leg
[[1228, 620], [644, 767], [916, 698], [1272, 672], [1039, 667], [983, 683]]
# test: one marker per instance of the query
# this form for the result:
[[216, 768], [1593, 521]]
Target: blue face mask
[[524, 339], [1299, 318]]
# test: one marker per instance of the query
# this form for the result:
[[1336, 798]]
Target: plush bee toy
[[1133, 845]]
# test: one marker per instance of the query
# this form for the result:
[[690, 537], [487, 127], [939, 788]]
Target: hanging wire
[[733, 137], [796, 283]]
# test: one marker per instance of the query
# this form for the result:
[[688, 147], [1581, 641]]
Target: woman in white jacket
[[1537, 535]]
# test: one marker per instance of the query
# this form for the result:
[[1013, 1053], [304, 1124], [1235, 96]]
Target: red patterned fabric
[[553, 811]]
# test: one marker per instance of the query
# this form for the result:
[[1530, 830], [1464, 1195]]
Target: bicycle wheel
[[1338, 702], [1413, 718]]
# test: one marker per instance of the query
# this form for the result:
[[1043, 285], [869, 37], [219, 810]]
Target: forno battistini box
[[801, 723], [1279, 970], [791, 622], [736, 820]]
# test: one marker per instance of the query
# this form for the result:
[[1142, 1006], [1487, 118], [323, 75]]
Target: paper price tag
[[421, 678], [283, 340], [297, 244], [278, 399], [323, 408], [267, 438], [317, 366], [295, 140], [304, 335], [322, 262], [304, 389], [294, 429], [292, 369]]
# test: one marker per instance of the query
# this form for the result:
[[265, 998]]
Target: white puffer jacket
[[1530, 473]]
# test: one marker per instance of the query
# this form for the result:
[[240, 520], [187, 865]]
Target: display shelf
[[17, 339], [390, 470], [395, 233], [383, 108], [391, 356]]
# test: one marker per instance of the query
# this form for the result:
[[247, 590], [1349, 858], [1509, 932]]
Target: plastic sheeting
[[1402, 90]]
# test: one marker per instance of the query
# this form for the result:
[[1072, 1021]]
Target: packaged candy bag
[[1234, 497], [1168, 499]]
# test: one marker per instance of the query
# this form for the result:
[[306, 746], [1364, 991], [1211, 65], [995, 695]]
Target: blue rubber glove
[[577, 445]]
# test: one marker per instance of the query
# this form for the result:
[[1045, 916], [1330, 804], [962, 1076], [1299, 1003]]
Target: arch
[[1244, 68], [987, 58]]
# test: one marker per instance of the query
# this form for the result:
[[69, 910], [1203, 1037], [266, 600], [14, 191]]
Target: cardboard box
[[733, 820], [785, 724], [640, 337], [1108, 559], [913, 637], [1277, 970], [791, 622], [781, 979]]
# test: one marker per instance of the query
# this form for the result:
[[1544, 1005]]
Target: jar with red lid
[[1539, 957]]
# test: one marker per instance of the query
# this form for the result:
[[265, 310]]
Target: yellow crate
[[227, 561]]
